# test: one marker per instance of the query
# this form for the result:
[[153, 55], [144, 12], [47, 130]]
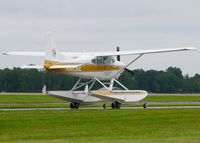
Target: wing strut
[[128, 65], [110, 87], [80, 84]]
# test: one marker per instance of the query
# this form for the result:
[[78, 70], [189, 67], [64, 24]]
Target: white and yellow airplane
[[101, 67]]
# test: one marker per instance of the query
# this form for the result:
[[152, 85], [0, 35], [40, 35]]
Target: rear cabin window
[[93, 61], [99, 60]]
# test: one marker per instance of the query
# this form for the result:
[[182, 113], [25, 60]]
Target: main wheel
[[72, 105], [113, 106], [118, 105], [76, 105]]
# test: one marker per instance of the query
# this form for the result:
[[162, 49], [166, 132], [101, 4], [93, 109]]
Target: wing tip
[[191, 48]]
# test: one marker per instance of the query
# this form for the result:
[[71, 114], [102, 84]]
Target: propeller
[[118, 56], [118, 59]]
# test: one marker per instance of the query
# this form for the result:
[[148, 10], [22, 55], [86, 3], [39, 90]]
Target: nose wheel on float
[[145, 105]]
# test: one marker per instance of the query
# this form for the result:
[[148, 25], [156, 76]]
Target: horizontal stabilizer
[[37, 54], [32, 66]]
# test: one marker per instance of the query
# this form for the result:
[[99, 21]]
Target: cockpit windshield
[[103, 60]]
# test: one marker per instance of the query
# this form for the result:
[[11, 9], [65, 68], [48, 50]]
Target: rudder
[[51, 52]]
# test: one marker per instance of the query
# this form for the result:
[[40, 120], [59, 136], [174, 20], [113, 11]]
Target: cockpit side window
[[106, 60]]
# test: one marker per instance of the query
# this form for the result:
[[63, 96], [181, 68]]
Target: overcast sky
[[101, 25]]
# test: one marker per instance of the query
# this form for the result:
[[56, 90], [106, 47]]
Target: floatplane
[[102, 67]]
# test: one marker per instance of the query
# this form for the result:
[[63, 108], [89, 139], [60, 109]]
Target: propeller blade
[[118, 56]]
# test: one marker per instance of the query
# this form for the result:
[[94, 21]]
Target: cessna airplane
[[100, 67]]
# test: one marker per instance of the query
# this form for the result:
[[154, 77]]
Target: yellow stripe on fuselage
[[82, 68]]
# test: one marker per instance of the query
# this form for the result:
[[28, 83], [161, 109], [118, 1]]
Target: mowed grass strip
[[47, 99], [173, 98], [27, 99], [88, 126]]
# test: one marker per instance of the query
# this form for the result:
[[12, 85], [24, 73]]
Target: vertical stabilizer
[[50, 54], [44, 90]]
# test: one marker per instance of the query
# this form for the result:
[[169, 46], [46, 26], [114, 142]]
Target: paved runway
[[100, 108]]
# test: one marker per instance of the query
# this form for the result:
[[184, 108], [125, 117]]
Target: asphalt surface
[[100, 108], [55, 103]]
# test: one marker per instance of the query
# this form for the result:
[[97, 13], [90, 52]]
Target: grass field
[[20, 98], [30, 101], [174, 98], [105, 126]]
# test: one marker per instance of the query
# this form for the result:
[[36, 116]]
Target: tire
[[76, 105], [72, 105], [104, 106], [118, 105], [113, 106]]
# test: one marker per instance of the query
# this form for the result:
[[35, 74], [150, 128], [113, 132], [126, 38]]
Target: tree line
[[169, 81]]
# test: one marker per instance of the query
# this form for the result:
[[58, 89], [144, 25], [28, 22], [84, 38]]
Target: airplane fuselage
[[87, 70]]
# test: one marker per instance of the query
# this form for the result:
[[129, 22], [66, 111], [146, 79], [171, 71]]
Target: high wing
[[92, 54], [149, 51]]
